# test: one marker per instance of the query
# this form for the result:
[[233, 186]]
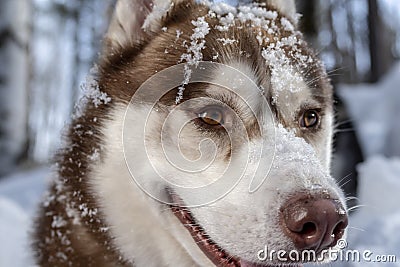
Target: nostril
[[338, 231], [309, 229]]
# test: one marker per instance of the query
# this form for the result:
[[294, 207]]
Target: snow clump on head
[[194, 51], [281, 43]]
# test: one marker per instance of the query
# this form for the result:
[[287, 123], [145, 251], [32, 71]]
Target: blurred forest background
[[48, 46]]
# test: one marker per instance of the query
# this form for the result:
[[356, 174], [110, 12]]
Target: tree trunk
[[380, 42], [14, 73]]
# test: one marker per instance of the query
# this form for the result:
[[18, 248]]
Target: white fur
[[148, 233], [286, 7], [144, 230], [141, 226]]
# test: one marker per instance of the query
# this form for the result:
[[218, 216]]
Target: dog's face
[[240, 156]]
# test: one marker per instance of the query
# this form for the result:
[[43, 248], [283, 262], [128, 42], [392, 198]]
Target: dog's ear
[[285, 7], [132, 20]]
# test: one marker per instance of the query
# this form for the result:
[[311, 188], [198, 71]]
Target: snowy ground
[[19, 195], [374, 227]]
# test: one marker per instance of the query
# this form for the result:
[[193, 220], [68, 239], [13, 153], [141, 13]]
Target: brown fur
[[85, 241]]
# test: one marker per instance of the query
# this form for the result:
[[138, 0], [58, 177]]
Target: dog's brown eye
[[212, 116], [309, 119]]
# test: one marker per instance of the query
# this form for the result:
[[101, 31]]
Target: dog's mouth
[[212, 250], [217, 255]]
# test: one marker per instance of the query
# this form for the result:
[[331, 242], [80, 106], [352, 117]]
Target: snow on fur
[[285, 71], [91, 93], [292, 151], [194, 51]]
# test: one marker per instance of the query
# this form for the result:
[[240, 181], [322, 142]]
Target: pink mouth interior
[[216, 254]]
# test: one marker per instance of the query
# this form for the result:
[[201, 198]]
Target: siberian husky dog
[[204, 139]]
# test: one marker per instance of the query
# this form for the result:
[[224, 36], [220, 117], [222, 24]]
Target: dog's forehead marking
[[244, 86], [279, 44]]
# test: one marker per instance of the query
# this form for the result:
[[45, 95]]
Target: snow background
[[20, 194], [374, 107], [374, 226]]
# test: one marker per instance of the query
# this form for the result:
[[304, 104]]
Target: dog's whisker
[[344, 130], [329, 74], [345, 183], [352, 198], [335, 72], [334, 75], [356, 228], [344, 177], [338, 124], [355, 207]]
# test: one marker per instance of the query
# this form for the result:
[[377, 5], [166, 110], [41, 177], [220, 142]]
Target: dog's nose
[[314, 223]]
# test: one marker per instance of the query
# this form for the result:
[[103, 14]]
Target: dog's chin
[[212, 250]]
